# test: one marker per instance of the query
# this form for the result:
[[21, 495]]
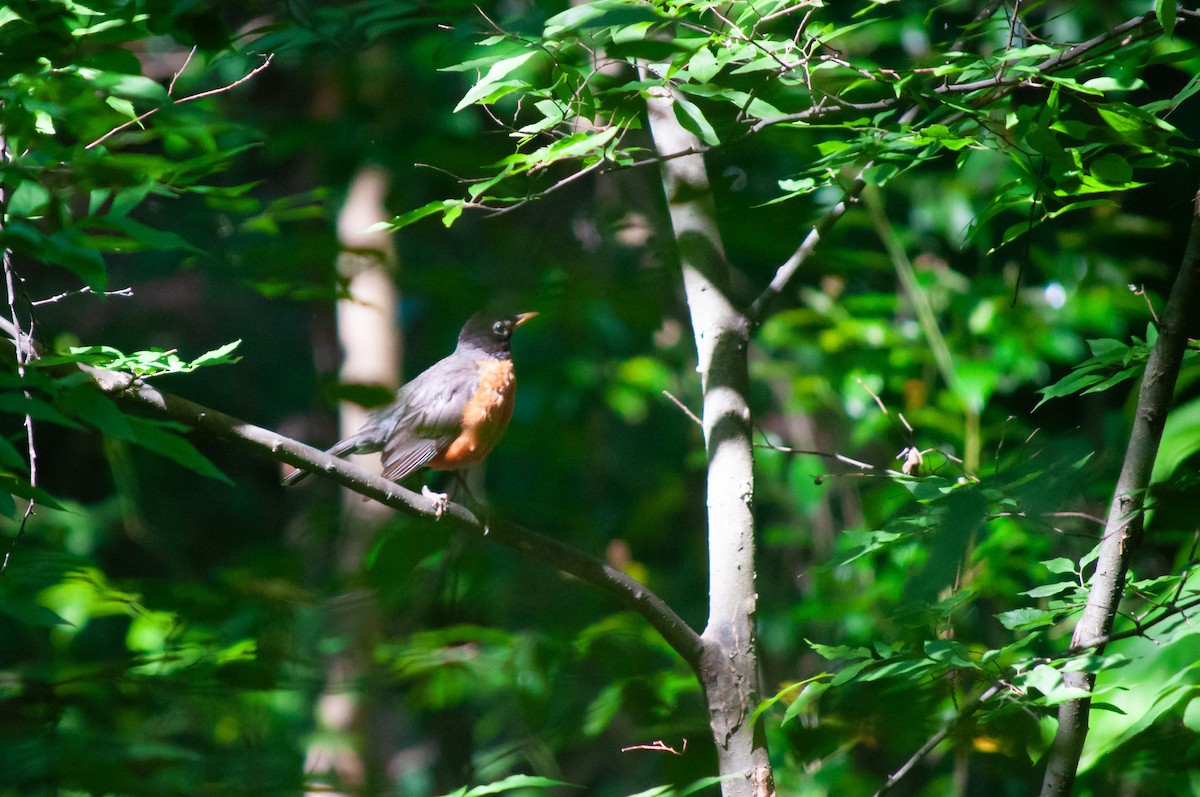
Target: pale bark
[[728, 665], [1123, 530], [349, 754]]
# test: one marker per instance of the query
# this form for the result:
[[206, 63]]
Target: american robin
[[452, 414]]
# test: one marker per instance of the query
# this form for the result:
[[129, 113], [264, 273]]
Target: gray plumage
[[427, 413]]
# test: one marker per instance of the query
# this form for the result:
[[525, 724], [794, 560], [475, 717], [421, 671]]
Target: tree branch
[[1002, 85], [1123, 530], [968, 708], [788, 272], [190, 98], [729, 676], [625, 590], [25, 352]]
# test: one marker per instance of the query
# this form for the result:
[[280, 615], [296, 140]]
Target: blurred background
[[229, 636]]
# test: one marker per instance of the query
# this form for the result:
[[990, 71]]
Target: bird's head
[[491, 333]]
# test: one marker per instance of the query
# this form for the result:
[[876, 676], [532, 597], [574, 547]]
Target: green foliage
[[508, 784], [1111, 364], [143, 364], [167, 634]]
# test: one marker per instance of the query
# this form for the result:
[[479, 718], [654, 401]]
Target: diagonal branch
[[190, 98], [968, 708], [788, 272], [1123, 531], [627, 591]]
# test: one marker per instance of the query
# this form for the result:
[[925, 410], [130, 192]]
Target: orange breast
[[485, 418]]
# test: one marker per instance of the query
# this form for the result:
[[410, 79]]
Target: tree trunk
[[1123, 530], [729, 662], [350, 754]]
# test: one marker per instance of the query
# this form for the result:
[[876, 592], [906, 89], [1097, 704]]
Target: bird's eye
[[498, 328]]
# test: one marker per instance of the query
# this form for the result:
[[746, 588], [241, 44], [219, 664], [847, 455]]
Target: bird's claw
[[441, 501]]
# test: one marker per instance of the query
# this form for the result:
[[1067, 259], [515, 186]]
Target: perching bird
[[452, 414]]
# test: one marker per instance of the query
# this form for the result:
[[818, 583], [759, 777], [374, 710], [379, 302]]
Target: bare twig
[[25, 353], [190, 98], [878, 401], [684, 407], [1140, 290], [178, 72], [965, 711], [1191, 561], [560, 184], [658, 746], [80, 292], [828, 455], [786, 274]]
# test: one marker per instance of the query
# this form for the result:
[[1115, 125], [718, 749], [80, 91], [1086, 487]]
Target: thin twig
[[684, 407], [560, 184], [1140, 290], [190, 98], [828, 455], [186, 61], [1191, 560], [967, 709], [786, 274], [80, 292], [874, 395], [23, 342], [658, 746]]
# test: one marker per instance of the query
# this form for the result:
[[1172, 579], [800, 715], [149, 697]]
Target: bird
[[451, 415]]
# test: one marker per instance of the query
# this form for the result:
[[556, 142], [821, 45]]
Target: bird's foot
[[441, 501]]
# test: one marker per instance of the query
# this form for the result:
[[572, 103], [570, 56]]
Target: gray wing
[[426, 416]]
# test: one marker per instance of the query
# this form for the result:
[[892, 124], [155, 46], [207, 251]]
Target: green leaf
[[1060, 565], [838, 651], [66, 247], [218, 356], [149, 363], [97, 410], [949, 651], [30, 614], [413, 216], [1114, 84], [693, 119], [513, 782], [1165, 11], [485, 89], [1191, 715], [703, 66], [600, 14], [1026, 619], [576, 145], [787, 690], [1180, 440], [804, 700], [1046, 590], [161, 438], [121, 106], [1112, 169], [17, 403]]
